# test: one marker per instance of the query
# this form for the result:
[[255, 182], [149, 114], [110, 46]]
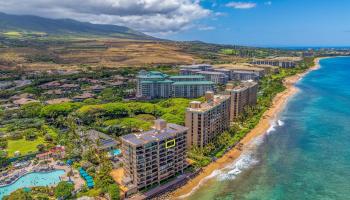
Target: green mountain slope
[[12, 24]]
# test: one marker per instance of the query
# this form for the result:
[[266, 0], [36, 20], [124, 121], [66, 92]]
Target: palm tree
[[69, 174]]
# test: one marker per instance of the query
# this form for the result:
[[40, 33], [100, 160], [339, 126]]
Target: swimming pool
[[116, 152], [33, 179]]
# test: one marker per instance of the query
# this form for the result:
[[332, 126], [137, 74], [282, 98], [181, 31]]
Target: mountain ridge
[[36, 24]]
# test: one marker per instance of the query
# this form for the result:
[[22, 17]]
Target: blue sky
[[242, 22], [274, 23]]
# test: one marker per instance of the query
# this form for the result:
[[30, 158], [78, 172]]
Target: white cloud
[[268, 3], [241, 5], [152, 16], [206, 28]]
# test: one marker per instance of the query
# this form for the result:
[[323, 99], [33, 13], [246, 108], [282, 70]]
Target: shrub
[[53, 111], [64, 190], [30, 110], [19, 194], [41, 147], [3, 144], [31, 134], [113, 191]]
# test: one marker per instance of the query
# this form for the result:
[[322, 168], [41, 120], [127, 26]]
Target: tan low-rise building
[[242, 67], [153, 156], [283, 62], [207, 120]]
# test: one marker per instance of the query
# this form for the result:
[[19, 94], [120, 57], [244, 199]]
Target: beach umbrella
[[85, 174]]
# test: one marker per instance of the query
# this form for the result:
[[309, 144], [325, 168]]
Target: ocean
[[306, 152]]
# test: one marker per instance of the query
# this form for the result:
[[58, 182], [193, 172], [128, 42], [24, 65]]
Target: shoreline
[[278, 104]]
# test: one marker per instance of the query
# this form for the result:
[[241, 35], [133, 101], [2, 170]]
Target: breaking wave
[[274, 124], [246, 160]]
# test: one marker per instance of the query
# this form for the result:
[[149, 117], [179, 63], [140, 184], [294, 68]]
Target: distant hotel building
[[191, 89], [244, 75], [284, 62], [153, 84], [210, 74], [241, 96], [193, 69], [153, 156], [242, 72], [214, 76], [206, 120]]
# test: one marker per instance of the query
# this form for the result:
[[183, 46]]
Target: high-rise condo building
[[206, 120], [153, 156], [242, 96]]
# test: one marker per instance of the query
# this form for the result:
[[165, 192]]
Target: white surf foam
[[245, 161], [274, 125], [212, 175], [280, 122]]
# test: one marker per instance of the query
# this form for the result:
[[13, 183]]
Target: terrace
[[100, 140]]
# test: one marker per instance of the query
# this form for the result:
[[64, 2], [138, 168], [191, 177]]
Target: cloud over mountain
[[152, 16]]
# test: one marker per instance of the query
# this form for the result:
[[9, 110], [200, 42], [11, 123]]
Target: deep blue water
[[306, 155]]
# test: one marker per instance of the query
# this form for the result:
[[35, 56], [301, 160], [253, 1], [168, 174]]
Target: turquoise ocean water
[[306, 153]]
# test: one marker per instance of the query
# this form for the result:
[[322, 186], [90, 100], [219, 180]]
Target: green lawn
[[12, 34], [24, 146]]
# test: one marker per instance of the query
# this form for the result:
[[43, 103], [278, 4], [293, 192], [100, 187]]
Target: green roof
[[153, 75], [194, 83], [165, 81], [187, 76], [158, 81]]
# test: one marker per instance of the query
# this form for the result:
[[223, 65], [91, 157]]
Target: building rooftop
[[241, 66], [154, 135], [242, 86], [244, 72], [295, 59], [152, 75], [210, 72], [158, 81], [208, 105], [187, 76], [195, 66], [194, 83], [104, 141], [57, 101], [85, 95]]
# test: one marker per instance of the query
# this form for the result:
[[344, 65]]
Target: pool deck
[[16, 174]]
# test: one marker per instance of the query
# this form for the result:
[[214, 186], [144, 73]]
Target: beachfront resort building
[[242, 96], [153, 84], [210, 74], [221, 74], [244, 75], [191, 89], [206, 120], [242, 71], [214, 76], [284, 62], [153, 156], [193, 69]]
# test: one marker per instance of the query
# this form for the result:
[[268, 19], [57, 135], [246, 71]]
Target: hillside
[[36, 43], [15, 25]]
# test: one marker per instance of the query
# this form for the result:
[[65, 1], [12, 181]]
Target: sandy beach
[[278, 105]]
